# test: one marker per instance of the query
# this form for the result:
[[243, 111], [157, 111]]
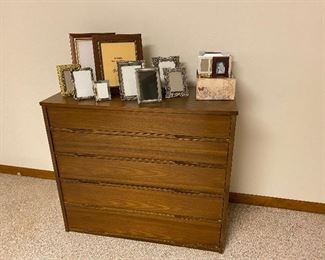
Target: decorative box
[[215, 89]]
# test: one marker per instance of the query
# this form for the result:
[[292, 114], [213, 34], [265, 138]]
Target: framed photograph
[[82, 51], [148, 85], [108, 49], [127, 79], [101, 90], [65, 79], [221, 67], [205, 66], [165, 62], [83, 83], [176, 85]]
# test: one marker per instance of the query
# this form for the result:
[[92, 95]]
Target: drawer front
[[197, 234], [200, 125], [142, 199], [175, 176], [141, 147]]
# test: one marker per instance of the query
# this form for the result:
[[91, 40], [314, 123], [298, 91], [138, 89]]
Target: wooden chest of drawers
[[156, 172]]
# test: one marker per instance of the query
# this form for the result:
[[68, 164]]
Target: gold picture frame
[[65, 80]]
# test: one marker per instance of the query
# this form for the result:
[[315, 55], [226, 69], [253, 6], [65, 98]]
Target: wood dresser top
[[174, 105]]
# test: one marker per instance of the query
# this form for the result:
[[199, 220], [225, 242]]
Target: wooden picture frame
[[221, 67], [82, 51], [101, 90], [83, 83], [127, 78], [110, 48], [64, 77], [176, 83], [148, 85], [165, 62]]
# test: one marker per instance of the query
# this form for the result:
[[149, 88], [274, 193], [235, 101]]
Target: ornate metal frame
[[157, 60], [121, 64], [140, 100], [75, 89], [169, 92], [207, 73], [60, 72], [96, 93]]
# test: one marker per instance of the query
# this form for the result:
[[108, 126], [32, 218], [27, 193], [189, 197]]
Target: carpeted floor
[[31, 227]]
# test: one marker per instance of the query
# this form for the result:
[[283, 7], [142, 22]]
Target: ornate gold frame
[[60, 72]]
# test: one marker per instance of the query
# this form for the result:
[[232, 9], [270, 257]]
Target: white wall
[[278, 49]]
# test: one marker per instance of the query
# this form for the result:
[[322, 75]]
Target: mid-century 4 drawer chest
[[157, 172]]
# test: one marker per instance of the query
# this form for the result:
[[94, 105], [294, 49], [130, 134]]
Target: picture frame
[[148, 85], [101, 90], [127, 79], [108, 49], [83, 83], [221, 67], [165, 62], [82, 52], [64, 77], [205, 66], [176, 83]]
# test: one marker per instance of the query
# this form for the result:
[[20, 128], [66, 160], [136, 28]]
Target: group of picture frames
[[214, 64], [105, 64]]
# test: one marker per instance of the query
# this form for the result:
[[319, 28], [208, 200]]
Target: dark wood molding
[[23, 171], [265, 201], [242, 198]]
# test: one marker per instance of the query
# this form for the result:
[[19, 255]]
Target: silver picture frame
[[148, 85], [165, 62], [102, 90], [127, 78], [176, 82], [83, 84]]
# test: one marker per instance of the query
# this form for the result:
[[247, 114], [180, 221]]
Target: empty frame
[[65, 79], [176, 85], [101, 90], [83, 83], [127, 78], [148, 85], [165, 62]]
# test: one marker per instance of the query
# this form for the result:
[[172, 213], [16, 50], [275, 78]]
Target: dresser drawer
[[197, 234], [141, 147], [201, 125], [164, 175], [143, 199]]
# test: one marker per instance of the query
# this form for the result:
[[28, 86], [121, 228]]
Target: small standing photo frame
[[83, 84], [127, 79], [221, 67], [101, 90], [148, 85], [176, 85], [82, 51], [205, 66], [65, 79], [165, 62]]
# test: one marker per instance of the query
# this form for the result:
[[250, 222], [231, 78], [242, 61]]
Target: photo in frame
[[83, 84], [205, 66], [176, 84], [82, 51], [221, 67], [148, 85], [108, 49], [165, 62], [65, 79], [127, 78], [101, 90]]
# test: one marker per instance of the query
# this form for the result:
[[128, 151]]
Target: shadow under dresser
[[157, 172]]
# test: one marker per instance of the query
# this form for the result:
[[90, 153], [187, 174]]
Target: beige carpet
[[32, 228]]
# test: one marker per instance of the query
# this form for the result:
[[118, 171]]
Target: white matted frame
[[148, 85], [165, 62], [82, 51], [101, 90], [127, 78], [83, 84], [176, 83]]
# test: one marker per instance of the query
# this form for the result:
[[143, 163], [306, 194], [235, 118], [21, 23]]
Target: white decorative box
[[215, 89]]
